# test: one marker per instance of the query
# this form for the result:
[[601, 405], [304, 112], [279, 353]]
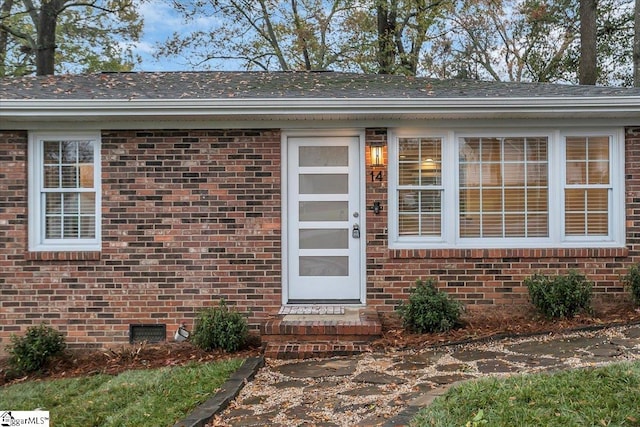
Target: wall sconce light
[[377, 155]]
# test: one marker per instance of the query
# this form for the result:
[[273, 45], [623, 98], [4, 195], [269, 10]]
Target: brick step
[[305, 336], [307, 350]]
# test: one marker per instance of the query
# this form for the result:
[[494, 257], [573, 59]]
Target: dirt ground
[[477, 324]]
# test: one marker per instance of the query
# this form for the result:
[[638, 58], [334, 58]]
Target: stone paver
[[379, 389]]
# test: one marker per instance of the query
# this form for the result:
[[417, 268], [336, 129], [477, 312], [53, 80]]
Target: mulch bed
[[477, 324]]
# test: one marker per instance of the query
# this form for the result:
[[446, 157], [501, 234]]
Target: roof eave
[[282, 108]]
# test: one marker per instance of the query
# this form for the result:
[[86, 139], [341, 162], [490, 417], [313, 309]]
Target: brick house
[[138, 198]]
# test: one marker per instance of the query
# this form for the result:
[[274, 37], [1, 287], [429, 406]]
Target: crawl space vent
[[149, 333]]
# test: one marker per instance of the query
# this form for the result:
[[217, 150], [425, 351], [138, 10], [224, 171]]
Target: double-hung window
[[548, 188], [64, 192]]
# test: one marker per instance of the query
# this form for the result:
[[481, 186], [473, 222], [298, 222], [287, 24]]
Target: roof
[[252, 85], [286, 99]]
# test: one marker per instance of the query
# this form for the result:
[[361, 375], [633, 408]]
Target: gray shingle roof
[[256, 85]]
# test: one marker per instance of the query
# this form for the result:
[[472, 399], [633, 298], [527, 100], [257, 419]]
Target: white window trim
[[450, 208], [37, 241]]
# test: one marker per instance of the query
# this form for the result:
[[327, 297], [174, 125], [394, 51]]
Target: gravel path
[[371, 389]]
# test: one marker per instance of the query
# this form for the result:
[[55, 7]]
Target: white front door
[[325, 221]]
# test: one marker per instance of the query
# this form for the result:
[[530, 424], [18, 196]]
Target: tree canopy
[[47, 36]]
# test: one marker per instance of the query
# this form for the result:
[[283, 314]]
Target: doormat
[[311, 309]]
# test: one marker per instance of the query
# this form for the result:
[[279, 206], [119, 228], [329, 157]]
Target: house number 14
[[376, 176]]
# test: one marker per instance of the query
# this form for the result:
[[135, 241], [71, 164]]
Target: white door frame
[[284, 149]]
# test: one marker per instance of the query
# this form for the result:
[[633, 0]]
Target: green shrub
[[632, 282], [429, 310], [560, 296], [219, 327], [32, 352]]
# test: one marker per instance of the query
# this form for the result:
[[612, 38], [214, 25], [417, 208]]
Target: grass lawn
[[154, 397], [607, 396]]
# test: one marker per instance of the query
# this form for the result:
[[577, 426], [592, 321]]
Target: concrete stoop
[[303, 336]]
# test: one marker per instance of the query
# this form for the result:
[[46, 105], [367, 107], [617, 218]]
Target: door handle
[[355, 233]]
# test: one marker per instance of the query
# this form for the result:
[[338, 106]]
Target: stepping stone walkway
[[386, 389]]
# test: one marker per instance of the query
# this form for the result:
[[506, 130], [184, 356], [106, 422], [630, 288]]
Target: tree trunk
[[46, 42], [588, 71], [636, 47], [386, 29], [5, 11]]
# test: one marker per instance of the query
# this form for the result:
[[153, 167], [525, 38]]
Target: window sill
[[509, 253], [63, 256]]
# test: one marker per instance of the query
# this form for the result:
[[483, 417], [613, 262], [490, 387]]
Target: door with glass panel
[[324, 220]]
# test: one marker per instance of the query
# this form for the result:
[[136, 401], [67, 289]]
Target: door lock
[[355, 233]]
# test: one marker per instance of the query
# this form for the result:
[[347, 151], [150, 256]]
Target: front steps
[[306, 332]]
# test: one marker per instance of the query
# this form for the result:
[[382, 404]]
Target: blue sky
[[160, 21]]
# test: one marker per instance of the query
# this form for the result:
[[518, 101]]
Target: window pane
[[536, 149], [87, 227], [409, 174], [574, 200], [70, 202], [324, 156], [324, 211], [324, 266], [430, 225], [598, 224], [491, 174], [51, 177], [53, 203], [537, 174], [514, 200], [470, 226], [491, 150], [430, 201], [576, 173], [576, 149], [324, 183], [469, 200], [409, 150], [598, 148], [598, 172], [597, 200], [86, 176], [69, 177], [409, 225], [537, 200], [514, 150], [492, 200], [537, 225], [515, 225], [85, 152], [53, 226], [87, 203], [70, 230], [408, 200], [492, 225], [513, 174], [69, 151], [334, 238], [51, 152], [575, 224]]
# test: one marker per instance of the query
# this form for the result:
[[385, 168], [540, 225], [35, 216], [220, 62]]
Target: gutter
[[252, 107]]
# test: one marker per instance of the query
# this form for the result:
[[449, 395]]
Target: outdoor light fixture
[[377, 155]]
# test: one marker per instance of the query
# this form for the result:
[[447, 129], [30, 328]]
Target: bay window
[[554, 188]]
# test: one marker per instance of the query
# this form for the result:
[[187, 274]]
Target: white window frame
[[450, 238], [36, 218]]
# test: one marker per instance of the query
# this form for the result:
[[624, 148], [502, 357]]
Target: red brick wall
[[188, 217], [495, 276]]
